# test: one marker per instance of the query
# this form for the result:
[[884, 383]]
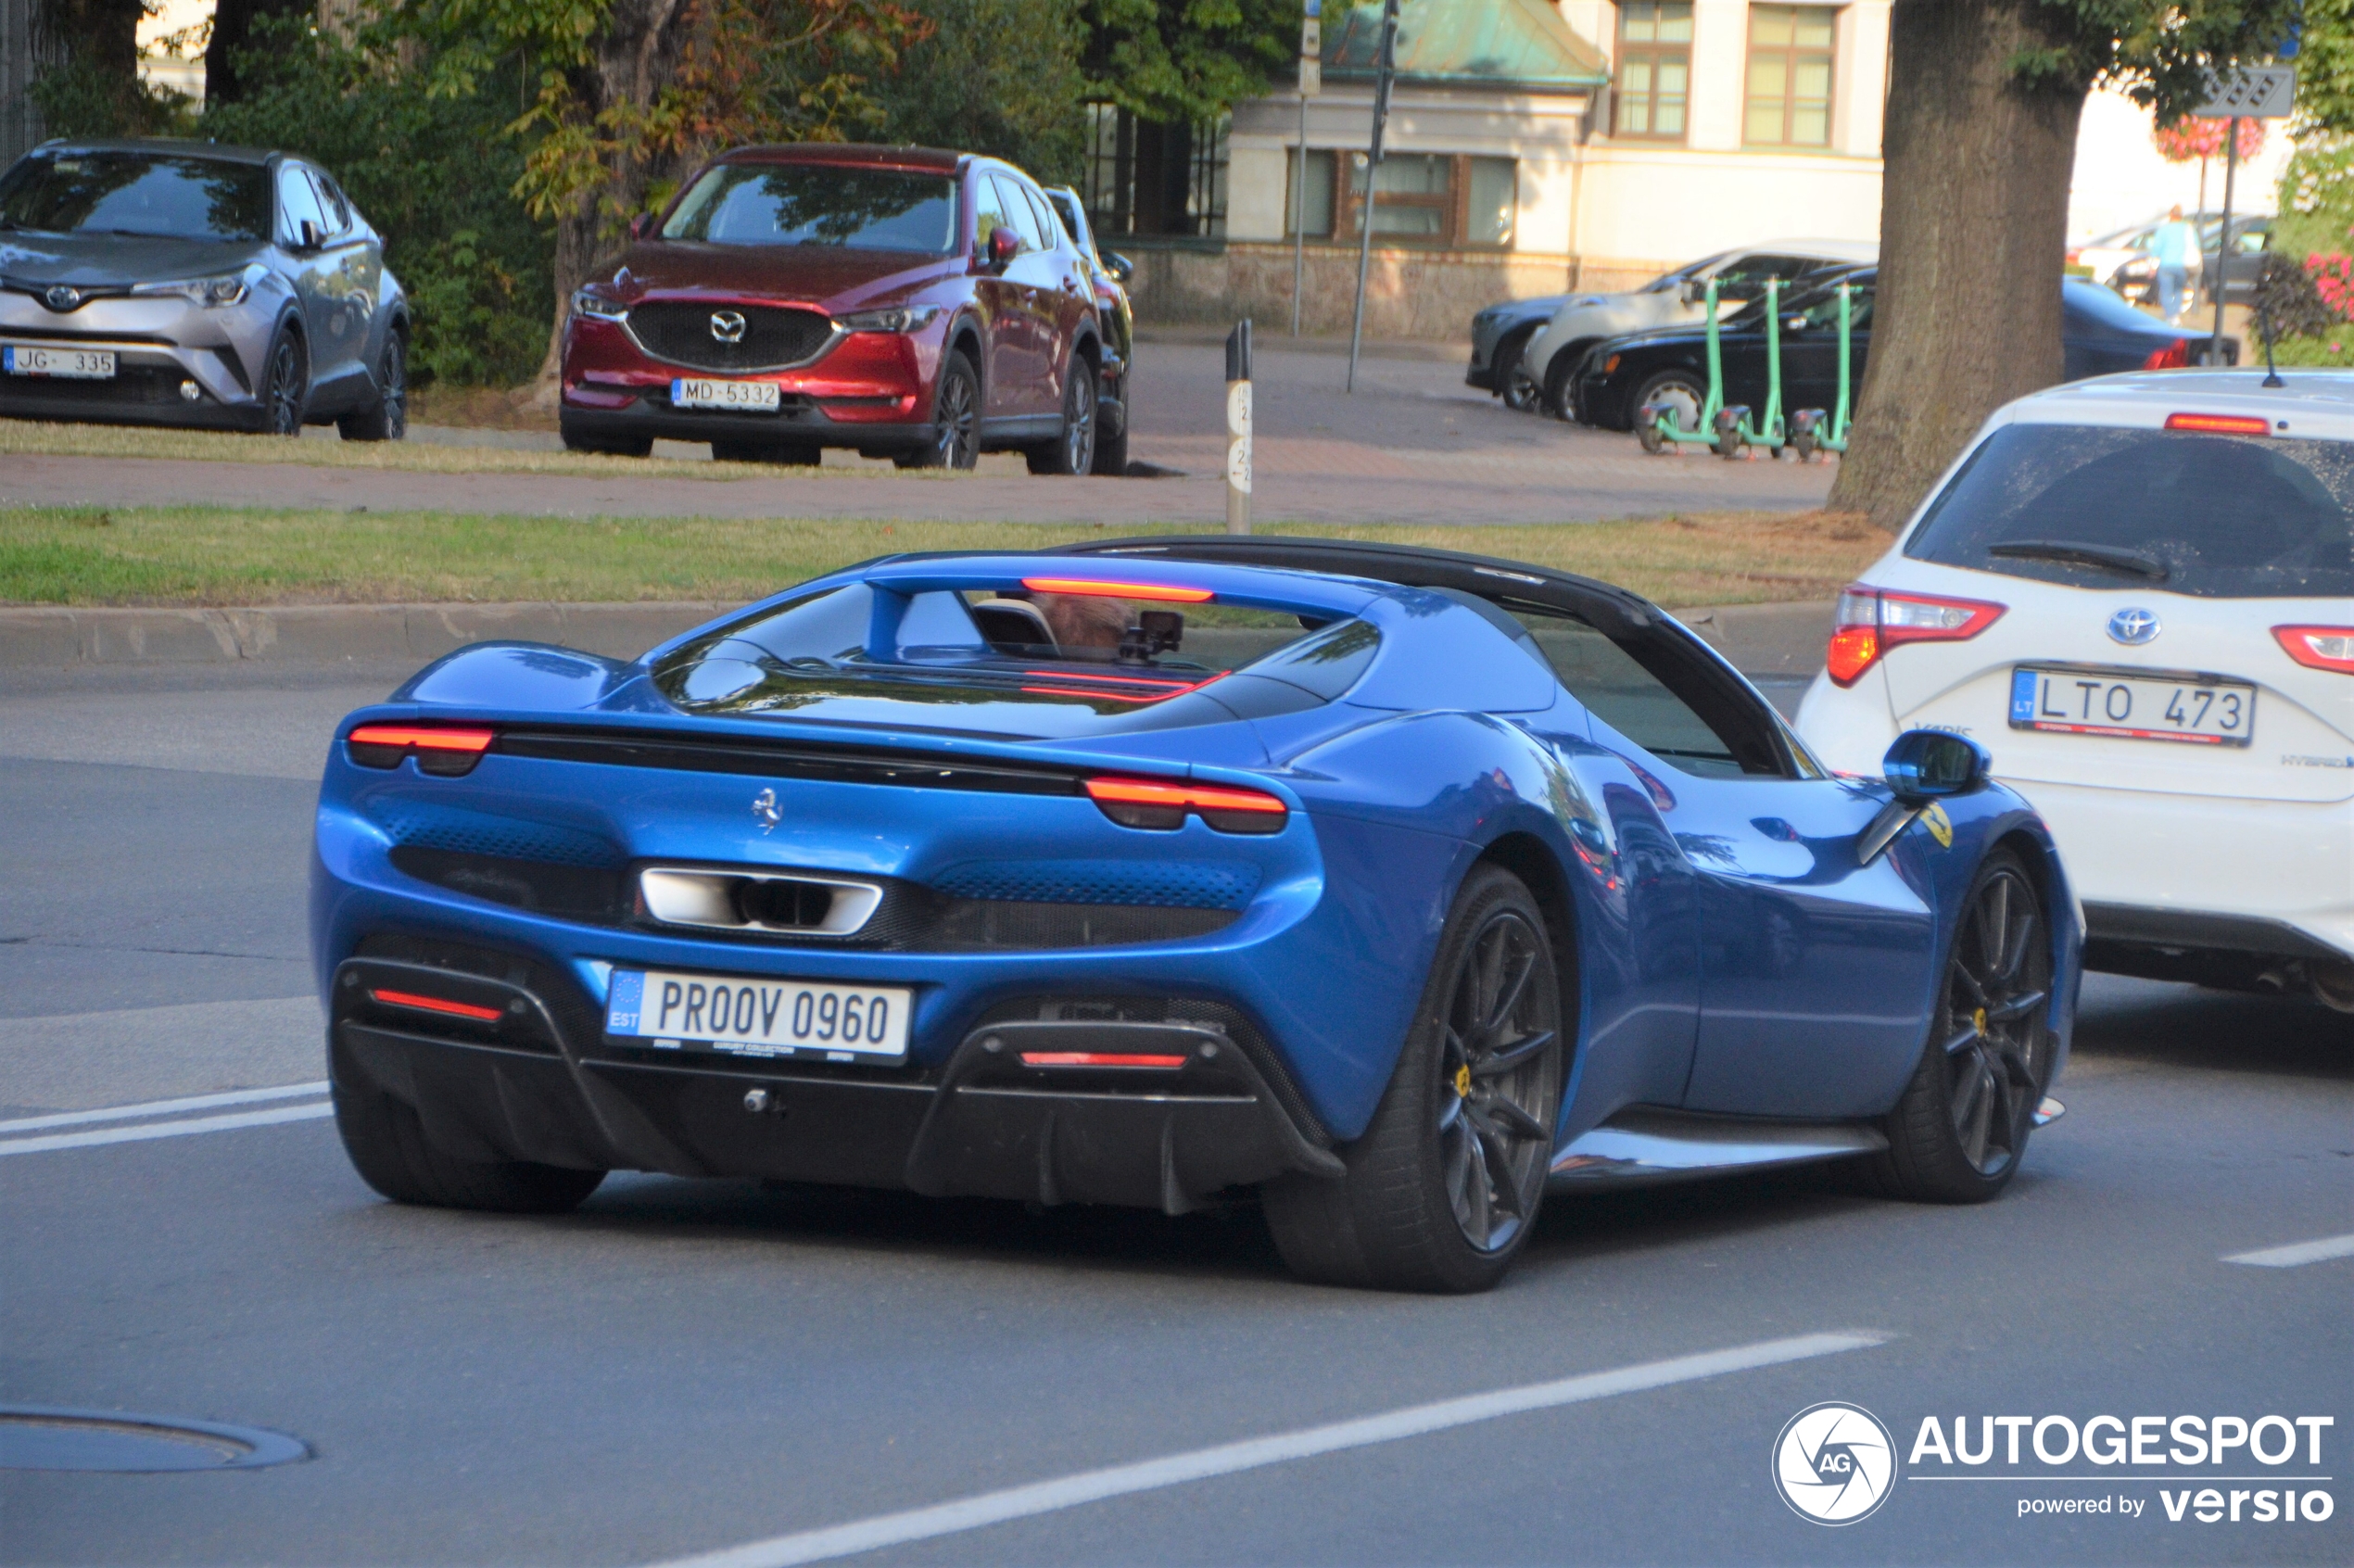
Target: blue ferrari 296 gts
[[1392, 885]]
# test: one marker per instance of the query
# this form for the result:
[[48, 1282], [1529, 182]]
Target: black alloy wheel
[[1441, 1190], [1073, 451], [386, 419], [956, 419], [1514, 384], [284, 382], [1962, 1126]]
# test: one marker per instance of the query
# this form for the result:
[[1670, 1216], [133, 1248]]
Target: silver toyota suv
[[181, 283]]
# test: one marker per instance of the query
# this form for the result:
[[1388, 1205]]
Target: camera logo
[[1834, 1463]]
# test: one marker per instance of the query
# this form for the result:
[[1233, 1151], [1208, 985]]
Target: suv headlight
[[596, 307], [899, 318], [212, 293]]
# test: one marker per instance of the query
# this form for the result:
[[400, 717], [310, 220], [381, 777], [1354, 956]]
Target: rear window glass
[[819, 205], [138, 194], [1048, 665], [2215, 516]]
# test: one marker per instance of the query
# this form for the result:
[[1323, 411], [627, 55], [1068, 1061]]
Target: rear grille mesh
[[1162, 885], [680, 331], [503, 838]]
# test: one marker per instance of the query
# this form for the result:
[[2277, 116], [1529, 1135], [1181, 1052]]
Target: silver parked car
[[181, 283]]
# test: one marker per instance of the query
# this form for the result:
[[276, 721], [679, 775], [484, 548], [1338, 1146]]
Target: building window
[[1442, 200], [1147, 178], [1308, 210], [1654, 69], [1789, 76]]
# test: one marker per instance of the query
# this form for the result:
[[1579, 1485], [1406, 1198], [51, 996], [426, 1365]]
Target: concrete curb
[[1761, 638]]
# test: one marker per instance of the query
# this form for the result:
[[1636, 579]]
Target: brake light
[[2220, 425], [1871, 620], [1158, 592], [436, 1005], [1152, 802], [1097, 1059], [2175, 356], [1610, 366], [447, 750], [2319, 648]]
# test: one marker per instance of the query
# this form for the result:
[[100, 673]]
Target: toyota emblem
[[2134, 626], [62, 298], [728, 326]]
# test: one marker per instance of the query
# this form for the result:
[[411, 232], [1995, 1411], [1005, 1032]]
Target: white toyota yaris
[[2137, 592]]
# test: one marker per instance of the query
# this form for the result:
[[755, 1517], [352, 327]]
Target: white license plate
[[742, 397], [77, 364], [2133, 707], [759, 1018]]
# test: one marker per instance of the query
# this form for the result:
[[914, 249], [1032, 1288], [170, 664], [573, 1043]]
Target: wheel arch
[[1530, 858]]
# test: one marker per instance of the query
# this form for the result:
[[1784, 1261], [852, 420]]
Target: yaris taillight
[[2319, 648], [1870, 621]]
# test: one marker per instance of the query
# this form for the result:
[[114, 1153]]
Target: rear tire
[[1073, 451], [1442, 1190], [1511, 373], [1111, 451], [388, 1145], [1961, 1128], [387, 418], [1676, 391]]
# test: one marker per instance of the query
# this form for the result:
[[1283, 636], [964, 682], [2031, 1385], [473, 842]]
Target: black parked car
[[2100, 332]]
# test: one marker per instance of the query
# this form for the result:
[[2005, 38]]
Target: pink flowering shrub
[[2333, 275]]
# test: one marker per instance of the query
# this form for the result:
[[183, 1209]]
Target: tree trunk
[[1973, 238], [635, 58]]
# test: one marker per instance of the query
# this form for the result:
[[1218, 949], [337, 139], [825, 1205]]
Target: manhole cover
[[40, 1437]]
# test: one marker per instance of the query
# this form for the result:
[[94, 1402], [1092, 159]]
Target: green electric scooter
[[1655, 424], [1811, 429], [1734, 429], [1724, 429]]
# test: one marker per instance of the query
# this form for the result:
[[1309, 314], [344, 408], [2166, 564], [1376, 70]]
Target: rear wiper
[[2108, 558]]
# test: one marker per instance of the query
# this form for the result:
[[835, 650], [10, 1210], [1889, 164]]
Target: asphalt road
[[1413, 445], [684, 1367]]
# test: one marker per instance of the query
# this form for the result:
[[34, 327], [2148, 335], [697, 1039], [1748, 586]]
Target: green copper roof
[[1511, 45]]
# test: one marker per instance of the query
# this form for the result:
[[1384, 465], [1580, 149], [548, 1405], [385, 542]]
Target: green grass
[[229, 556]]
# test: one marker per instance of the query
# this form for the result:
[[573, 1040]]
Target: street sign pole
[[1386, 70], [2249, 92], [1311, 73]]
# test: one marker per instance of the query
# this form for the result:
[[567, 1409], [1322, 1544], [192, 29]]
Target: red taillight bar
[[2220, 425], [2319, 648], [1096, 587], [1097, 1059], [1160, 804], [436, 1005], [445, 749]]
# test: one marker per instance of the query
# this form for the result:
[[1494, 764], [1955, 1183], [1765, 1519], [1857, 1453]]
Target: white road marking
[[2300, 1252], [163, 1130], [1228, 1458], [163, 1107]]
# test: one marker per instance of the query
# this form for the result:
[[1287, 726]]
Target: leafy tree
[[434, 173], [1177, 60], [92, 87], [1978, 141], [2316, 203], [1001, 77]]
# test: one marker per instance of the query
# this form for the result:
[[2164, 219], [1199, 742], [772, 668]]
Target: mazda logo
[[728, 326], [2132, 626], [62, 298]]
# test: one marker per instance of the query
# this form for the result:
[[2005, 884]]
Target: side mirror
[[641, 225], [1119, 266], [307, 235], [1004, 246], [1926, 765], [1691, 291]]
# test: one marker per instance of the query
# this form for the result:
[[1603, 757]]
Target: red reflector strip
[[1100, 590], [425, 738], [1096, 1059], [1197, 797], [2220, 425], [436, 1005]]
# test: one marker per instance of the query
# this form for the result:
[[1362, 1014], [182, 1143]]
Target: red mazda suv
[[913, 304]]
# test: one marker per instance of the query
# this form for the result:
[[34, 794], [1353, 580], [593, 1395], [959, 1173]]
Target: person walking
[[2176, 246]]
